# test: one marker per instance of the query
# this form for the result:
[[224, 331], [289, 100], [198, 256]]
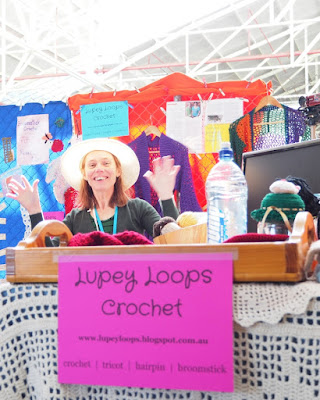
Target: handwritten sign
[[31, 149], [146, 320], [105, 119]]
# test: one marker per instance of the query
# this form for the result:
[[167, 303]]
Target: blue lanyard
[[115, 220]]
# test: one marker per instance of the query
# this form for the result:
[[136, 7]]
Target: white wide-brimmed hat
[[71, 159]]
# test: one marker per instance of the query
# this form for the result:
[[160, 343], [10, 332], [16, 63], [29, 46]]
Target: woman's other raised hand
[[25, 194], [163, 177]]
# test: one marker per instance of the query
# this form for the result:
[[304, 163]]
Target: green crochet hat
[[279, 202]]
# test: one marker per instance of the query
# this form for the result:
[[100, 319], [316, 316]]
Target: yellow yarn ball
[[187, 219]]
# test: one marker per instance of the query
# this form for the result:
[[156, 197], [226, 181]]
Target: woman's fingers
[[163, 164], [167, 164], [163, 177], [15, 184], [157, 163], [13, 187], [149, 177], [35, 185], [25, 194], [11, 195], [25, 182], [176, 169], [26, 187]]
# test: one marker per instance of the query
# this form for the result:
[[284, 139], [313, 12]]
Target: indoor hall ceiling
[[52, 49]]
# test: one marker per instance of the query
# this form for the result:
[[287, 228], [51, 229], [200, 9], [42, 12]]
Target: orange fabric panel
[[175, 84], [201, 165]]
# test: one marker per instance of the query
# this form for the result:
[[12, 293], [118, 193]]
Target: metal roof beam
[[15, 53], [257, 45], [52, 61], [275, 52], [235, 55], [270, 68], [256, 26], [219, 53], [227, 40], [284, 10], [23, 63], [314, 87], [180, 32], [307, 49], [289, 79], [296, 90], [75, 23], [175, 65], [292, 34]]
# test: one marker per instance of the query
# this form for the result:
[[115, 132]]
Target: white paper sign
[[184, 124], [31, 148], [186, 121], [223, 111]]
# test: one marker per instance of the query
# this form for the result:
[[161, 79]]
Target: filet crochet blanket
[[278, 361], [267, 128], [168, 147]]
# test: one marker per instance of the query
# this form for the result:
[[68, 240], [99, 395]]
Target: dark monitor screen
[[263, 167]]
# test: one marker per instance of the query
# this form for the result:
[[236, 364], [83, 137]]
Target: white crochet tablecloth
[[268, 302], [276, 347]]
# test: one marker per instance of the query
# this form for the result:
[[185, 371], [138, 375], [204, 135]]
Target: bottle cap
[[226, 150]]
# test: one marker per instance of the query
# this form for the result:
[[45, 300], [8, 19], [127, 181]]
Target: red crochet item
[[257, 237], [70, 198], [97, 238]]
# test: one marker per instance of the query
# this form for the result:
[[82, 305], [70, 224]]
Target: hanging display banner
[[146, 320], [202, 125], [105, 119], [31, 148]]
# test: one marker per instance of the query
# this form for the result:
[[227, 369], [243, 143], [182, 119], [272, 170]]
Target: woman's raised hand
[[25, 194], [163, 177]]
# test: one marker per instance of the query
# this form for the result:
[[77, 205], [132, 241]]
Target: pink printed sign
[[58, 215], [146, 320]]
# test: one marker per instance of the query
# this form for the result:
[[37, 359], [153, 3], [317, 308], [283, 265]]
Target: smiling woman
[[102, 170], [102, 182]]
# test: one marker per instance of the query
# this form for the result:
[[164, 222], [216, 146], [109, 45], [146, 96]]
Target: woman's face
[[100, 170]]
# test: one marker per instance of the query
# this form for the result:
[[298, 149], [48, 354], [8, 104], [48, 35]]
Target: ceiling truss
[[45, 54]]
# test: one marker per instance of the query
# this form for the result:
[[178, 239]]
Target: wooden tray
[[264, 261], [189, 235]]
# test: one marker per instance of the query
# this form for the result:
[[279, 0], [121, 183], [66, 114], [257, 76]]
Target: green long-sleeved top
[[137, 215]]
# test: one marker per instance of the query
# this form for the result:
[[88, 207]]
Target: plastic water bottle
[[227, 197]]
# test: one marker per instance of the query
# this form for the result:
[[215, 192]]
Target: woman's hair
[[86, 198]]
